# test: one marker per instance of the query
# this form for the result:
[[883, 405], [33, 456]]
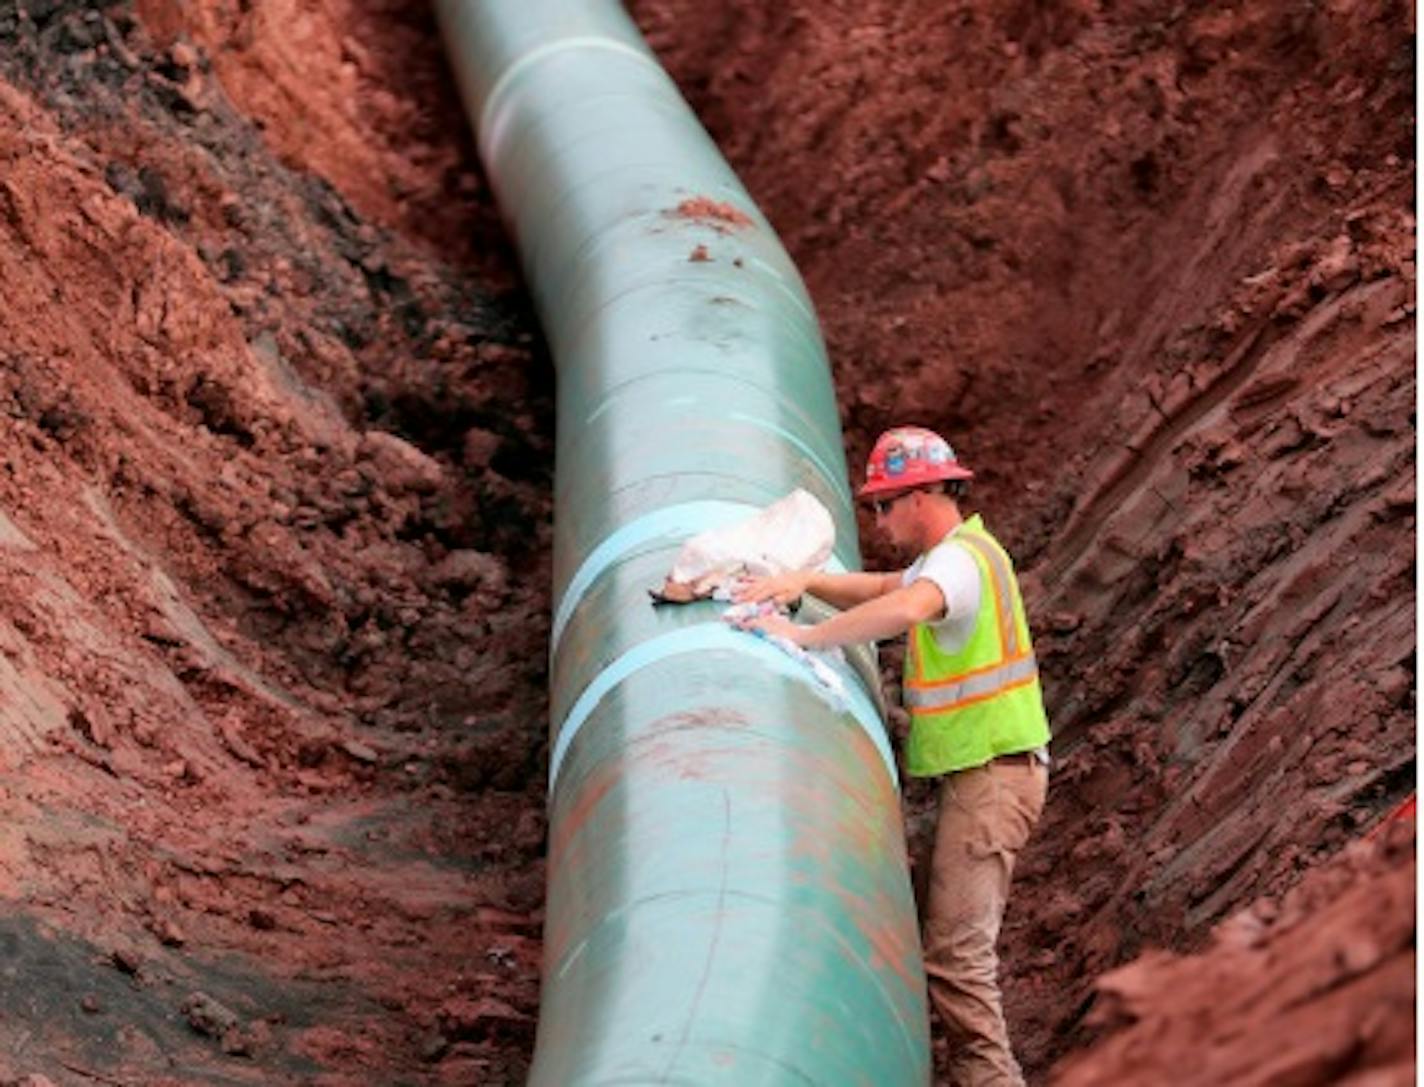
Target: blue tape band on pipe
[[679, 522], [683, 520], [700, 638]]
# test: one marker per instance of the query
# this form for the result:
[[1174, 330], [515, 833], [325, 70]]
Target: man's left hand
[[776, 625]]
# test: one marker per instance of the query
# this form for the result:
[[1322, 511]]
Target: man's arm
[[883, 617], [838, 590]]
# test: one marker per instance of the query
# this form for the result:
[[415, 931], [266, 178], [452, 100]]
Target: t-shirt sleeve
[[951, 567]]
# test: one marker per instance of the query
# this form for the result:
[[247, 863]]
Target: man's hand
[[781, 589], [775, 625], [885, 616]]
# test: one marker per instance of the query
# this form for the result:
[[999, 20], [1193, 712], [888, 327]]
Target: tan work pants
[[985, 817]]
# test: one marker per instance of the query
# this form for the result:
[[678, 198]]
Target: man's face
[[894, 517]]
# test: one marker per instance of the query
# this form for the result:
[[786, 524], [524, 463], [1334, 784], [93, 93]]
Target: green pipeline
[[728, 894]]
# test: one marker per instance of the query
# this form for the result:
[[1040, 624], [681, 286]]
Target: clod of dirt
[[212, 1019], [398, 465], [361, 752], [468, 571], [208, 1017], [94, 724], [126, 962], [167, 932], [719, 214], [478, 448], [473, 1018]]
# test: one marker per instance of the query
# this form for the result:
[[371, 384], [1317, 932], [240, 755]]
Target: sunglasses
[[881, 506]]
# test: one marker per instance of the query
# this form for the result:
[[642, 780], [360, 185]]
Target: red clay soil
[[274, 531], [1152, 268], [1317, 987], [274, 512]]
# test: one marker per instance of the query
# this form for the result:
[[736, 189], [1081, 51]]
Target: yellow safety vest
[[985, 700]]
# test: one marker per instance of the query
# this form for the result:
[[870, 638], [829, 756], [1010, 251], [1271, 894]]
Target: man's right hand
[[781, 589]]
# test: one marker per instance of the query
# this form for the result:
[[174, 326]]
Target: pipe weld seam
[[563, 45], [683, 520], [828, 472], [717, 635]]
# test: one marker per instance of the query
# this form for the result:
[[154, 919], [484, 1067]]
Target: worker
[[977, 720]]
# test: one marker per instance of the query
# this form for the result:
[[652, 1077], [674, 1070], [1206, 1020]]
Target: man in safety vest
[[976, 710]]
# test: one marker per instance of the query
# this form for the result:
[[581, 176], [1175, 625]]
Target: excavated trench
[[277, 435]]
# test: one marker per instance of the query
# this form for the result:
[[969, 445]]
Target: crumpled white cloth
[[793, 533]]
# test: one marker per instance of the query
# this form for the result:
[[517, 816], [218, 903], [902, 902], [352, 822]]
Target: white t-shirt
[[954, 570]]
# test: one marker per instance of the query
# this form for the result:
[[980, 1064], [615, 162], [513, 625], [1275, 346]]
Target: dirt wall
[[275, 520], [1151, 268]]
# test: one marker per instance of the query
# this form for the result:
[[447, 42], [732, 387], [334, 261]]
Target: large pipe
[[728, 897]]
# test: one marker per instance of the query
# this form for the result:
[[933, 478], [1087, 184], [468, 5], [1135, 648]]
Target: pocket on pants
[[1002, 809]]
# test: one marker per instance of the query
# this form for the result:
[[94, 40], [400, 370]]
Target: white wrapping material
[[793, 533], [819, 661]]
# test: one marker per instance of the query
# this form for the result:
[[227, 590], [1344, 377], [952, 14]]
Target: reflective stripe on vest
[[936, 697], [1013, 668], [1003, 598]]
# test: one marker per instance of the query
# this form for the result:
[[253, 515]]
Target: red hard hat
[[910, 456]]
